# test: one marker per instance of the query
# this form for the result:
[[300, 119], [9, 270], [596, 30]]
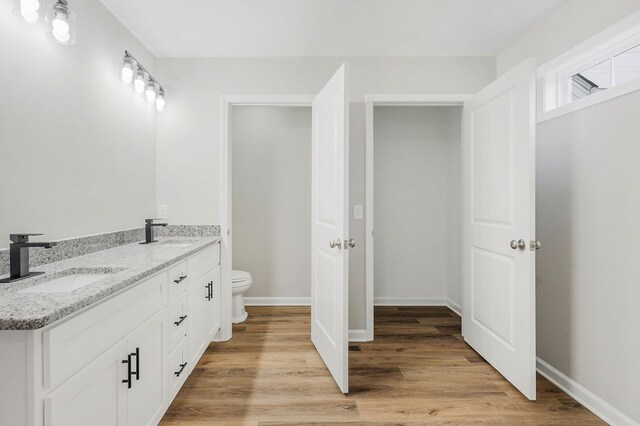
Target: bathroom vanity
[[107, 338]]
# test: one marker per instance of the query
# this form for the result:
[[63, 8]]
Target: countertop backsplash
[[73, 247], [188, 231]]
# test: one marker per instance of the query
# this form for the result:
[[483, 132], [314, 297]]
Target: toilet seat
[[239, 278]]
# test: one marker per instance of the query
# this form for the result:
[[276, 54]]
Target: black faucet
[[148, 230], [19, 256]]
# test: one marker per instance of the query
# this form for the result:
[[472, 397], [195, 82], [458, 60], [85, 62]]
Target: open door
[[330, 226], [499, 225]]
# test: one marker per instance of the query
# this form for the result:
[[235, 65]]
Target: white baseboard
[[588, 399], [358, 335], [454, 307], [409, 301], [277, 301]]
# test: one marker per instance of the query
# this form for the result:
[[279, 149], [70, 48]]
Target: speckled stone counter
[[125, 264]]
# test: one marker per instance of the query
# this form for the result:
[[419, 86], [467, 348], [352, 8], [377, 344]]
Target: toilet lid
[[239, 276]]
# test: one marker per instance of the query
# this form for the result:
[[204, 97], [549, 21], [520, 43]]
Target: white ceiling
[[259, 28]]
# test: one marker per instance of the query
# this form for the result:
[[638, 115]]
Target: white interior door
[[499, 211], [330, 226]]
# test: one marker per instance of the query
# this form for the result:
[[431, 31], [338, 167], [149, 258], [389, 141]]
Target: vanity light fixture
[[62, 20], [127, 69], [143, 81], [138, 84], [150, 93], [27, 10], [160, 100]]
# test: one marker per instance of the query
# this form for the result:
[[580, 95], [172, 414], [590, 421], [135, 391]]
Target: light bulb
[[127, 74], [127, 70], [30, 4], [29, 10], [60, 24], [160, 100], [29, 15], [61, 36], [60, 28], [150, 93], [138, 84]]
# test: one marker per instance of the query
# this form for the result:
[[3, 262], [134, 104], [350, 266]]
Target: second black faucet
[[149, 224]]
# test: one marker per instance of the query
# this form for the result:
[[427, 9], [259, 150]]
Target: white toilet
[[240, 282]]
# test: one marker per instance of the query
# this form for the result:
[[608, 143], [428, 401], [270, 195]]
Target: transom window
[[617, 70], [601, 68]]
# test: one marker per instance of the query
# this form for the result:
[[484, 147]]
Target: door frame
[[225, 199], [372, 101]]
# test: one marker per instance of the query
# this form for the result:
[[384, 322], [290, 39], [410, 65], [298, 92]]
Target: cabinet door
[[195, 336], [212, 306], [93, 396], [145, 397]]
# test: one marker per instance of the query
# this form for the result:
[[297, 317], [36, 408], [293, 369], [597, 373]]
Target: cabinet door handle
[[128, 379], [182, 318], [137, 355], [180, 279], [209, 288], [179, 372]]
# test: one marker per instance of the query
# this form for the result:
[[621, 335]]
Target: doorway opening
[[413, 202], [271, 187], [228, 103]]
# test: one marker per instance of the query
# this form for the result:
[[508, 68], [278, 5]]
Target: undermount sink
[[73, 280]]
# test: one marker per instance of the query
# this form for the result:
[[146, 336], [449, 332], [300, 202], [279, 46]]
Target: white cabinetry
[[196, 321], [118, 362], [212, 305], [144, 371], [204, 310], [93, 396]]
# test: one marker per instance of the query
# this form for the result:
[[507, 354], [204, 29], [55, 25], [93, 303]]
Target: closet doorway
[[497, 215], [413, 202]]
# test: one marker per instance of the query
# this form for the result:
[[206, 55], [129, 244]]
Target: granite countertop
[[125, 266]]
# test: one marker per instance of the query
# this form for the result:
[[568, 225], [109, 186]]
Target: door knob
[[335, 243], [349, 243], [535, 245], [518, 245]]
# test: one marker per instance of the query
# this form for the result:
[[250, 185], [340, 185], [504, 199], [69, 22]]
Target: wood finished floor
[[417, 371]]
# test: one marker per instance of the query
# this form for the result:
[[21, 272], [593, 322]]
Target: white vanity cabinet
[[203, 308], [120, 361], [115, 389], [93, 396]]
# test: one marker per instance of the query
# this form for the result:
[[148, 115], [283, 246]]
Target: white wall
[[569, 25], [189, 128], [587, 212], [271, 189], [77, 149], [416, 204]]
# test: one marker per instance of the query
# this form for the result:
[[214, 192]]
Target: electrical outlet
[[358, 213], [163, 211]]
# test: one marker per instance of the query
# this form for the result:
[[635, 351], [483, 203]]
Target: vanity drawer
[[178, 279], [204, 261], [69, 346], [178, 368], [178, 320]]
